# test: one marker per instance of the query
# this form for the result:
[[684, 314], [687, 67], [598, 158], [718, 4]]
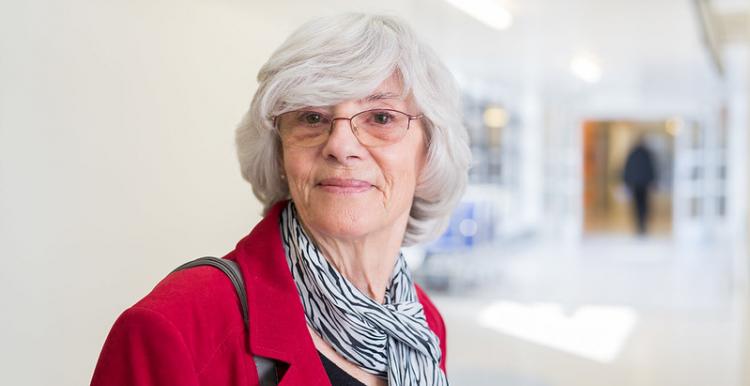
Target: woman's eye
[[312, 118], [381, 118]]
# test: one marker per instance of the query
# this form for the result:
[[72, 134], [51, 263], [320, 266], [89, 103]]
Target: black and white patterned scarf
[[390, 340]]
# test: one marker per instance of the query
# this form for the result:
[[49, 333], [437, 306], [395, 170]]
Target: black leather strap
[[230, 269], [267, 371]]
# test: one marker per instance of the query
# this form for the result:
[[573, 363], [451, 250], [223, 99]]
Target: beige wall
[[117, 164], [117, 160]]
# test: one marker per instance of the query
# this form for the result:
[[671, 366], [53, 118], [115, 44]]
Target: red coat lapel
[[278, 328]]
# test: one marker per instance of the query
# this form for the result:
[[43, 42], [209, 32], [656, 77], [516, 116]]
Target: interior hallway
[[612, 311]]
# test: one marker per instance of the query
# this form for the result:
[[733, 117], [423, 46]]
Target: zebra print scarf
[[389, 340]]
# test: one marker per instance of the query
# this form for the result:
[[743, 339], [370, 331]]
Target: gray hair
[[332, 59]]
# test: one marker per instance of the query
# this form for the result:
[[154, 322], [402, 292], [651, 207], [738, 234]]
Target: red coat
[[189, 331]]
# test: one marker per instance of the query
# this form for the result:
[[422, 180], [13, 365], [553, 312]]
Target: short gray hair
[[332, 59]]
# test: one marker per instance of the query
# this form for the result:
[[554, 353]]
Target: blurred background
[[603, 240]]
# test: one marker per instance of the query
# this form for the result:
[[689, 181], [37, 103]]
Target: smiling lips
[[344, 185]]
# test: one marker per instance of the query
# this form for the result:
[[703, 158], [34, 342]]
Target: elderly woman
[[354, 144]]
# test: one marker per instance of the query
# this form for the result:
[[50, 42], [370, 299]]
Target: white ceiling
[[645, 47]]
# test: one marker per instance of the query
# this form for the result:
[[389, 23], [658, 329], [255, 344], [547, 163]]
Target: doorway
[[607, 203]]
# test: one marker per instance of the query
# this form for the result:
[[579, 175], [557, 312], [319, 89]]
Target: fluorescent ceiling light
[[587, 68], [487, 11], [593, 332]]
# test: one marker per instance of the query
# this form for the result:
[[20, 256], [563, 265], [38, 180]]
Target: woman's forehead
[[392, 85], [390, 90]]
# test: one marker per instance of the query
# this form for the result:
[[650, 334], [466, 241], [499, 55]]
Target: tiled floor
[[612, 311]]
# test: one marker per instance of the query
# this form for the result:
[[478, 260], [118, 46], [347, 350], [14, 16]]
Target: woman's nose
[[342, 144]]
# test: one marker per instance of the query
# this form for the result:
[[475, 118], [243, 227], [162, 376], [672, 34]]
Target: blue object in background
[[453, 239], [472, 224]]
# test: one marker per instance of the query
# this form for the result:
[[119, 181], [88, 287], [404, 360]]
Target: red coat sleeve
[[443, 343], [435, 322], [144, 349]]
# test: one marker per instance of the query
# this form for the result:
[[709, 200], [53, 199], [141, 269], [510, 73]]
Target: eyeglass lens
[[372, 127]]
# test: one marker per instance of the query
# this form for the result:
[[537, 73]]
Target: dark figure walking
[[638, 176]]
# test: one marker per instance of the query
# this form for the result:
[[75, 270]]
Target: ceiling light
[[487, 11], [495, 117], [587, 68], [672, 125]]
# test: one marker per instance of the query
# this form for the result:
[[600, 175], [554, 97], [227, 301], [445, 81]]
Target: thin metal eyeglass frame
[[351, 125]]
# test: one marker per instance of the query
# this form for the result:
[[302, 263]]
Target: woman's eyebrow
[[381, 96]]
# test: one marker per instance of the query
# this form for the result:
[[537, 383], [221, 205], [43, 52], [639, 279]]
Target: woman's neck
[[366, 262]]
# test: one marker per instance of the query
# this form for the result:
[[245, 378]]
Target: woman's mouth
[[344, 185]]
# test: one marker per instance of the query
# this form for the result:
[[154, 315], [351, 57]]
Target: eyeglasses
[[378, 127]]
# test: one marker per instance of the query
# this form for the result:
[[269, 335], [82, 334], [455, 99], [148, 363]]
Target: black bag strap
[[267, 372], [232, 270]]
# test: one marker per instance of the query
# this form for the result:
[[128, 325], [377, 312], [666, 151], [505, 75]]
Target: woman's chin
[[342, 229], [344, 219]]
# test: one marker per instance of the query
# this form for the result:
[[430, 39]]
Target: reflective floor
[[612, 310]]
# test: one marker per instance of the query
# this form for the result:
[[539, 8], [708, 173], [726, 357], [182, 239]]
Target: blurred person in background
[[354, 144], [639, 176]]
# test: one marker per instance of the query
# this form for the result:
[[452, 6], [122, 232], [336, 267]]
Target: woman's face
[[348, 191]]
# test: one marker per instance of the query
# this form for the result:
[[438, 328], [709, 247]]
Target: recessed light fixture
[[488, 12]]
